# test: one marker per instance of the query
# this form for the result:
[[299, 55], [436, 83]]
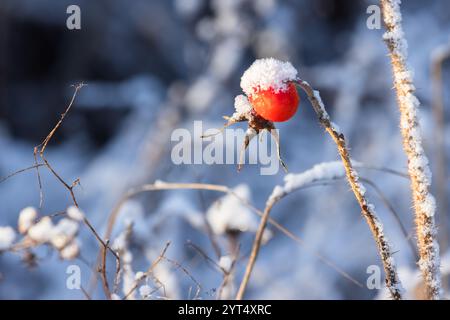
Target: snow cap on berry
[[267, 73]]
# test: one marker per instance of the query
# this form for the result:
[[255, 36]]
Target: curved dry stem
[[368, 211]]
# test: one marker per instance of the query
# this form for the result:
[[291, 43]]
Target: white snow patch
[[42, 231], [63, 233], [321, 171], [27, 216], [70, 251], [228, 213], [267, 73], [225, 262], [242, 105], [7, 237], [139, 275], [428, 205], [75, 213], [145, 291]]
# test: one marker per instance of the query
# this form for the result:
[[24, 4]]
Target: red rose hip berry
[[276, 106]]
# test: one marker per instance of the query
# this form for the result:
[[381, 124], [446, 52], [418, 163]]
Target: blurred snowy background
[[154, 66]]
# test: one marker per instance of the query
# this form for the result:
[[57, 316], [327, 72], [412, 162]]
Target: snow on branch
[[322, 171], [418, 168]]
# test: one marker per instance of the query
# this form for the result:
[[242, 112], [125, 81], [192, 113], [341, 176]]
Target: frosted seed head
[[7, 237], [27, 216], [75, 213], [71, 251], [41, 231]]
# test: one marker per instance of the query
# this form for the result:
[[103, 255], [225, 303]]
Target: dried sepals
[[256, 125]]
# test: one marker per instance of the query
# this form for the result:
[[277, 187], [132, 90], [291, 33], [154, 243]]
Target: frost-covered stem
[[392, 280], [419, 172]]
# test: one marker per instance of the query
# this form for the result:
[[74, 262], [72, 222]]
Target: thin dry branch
[[41, 149], [207, 258], [178, 265], [149, 270], [41, 192], [418, 168], [20, 171], [103, 274]]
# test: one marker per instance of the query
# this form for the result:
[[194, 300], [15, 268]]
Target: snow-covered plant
[[270, 97], [228, 215], [270, 86], [37, 231], [418, 167]]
